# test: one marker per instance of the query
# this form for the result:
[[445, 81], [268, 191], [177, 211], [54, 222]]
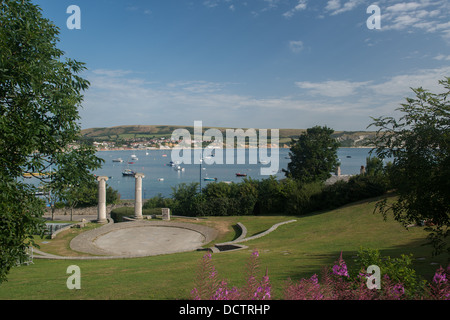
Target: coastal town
[[139, 138]]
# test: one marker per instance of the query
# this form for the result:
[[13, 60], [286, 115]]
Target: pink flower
[[340, 268], [439, 276]]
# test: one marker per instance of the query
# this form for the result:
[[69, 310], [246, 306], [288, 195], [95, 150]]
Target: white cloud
[[397, 86], [400, 85], [198, 86], [442, 57], [111, 73], [405, 6], [119, 97], [211, 3], [341, 88], [335, 7], [296, 46], [301, 5], [424, 15]]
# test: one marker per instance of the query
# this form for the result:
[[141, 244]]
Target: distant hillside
[[131, 132]]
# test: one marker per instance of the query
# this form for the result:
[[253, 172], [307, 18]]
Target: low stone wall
[[88, 211]]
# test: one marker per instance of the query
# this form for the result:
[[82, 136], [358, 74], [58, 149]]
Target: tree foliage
[[419, 143], [313, 155], [40, 93]]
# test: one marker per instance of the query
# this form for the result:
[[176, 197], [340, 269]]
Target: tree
[[313, 155], [419, 143], [85, 194], [40, 93], [374, 166]]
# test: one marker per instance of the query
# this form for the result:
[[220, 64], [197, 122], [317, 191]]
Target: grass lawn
[[294, 250]]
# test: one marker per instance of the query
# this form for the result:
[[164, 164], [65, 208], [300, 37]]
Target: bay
[[160, 177]]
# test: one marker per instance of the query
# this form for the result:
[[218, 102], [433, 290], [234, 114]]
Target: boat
[[128, 172], [178, 168], [241, 175], [210, 179], [160, 179], [117, 160], [134, 157], [130, 162]]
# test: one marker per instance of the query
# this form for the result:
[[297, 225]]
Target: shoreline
[[196, 148]]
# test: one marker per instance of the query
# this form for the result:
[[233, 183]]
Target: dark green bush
[[158, 202], [270, 196]]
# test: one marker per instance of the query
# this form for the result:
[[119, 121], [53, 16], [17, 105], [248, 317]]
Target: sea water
[[161, 177]]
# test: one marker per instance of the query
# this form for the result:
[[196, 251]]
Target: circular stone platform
[[143, 238]]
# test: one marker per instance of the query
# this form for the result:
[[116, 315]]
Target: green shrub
[[302, 198], [158, 202], [269, 196], [397, 269], [357, 188]]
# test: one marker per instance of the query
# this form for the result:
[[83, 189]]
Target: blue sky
[[252, 64]]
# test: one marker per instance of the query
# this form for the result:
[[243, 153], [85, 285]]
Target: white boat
[[117, 160], [134, 157]]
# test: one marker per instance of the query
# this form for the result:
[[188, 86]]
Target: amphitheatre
[[142, 236]]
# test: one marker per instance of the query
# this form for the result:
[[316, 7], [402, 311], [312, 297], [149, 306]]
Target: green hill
[[295, 250], [130, 132]]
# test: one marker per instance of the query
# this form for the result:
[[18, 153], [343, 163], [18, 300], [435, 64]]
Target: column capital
[[99, 178], [139, 175]]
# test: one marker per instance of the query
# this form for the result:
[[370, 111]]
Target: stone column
[[138, 196], [102, 199], [338, 171]]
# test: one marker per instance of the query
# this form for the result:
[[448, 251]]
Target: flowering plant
[[439, 288], [336, 284], [209, 287]]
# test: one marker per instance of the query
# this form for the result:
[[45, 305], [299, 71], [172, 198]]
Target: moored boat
[[128, 172]]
